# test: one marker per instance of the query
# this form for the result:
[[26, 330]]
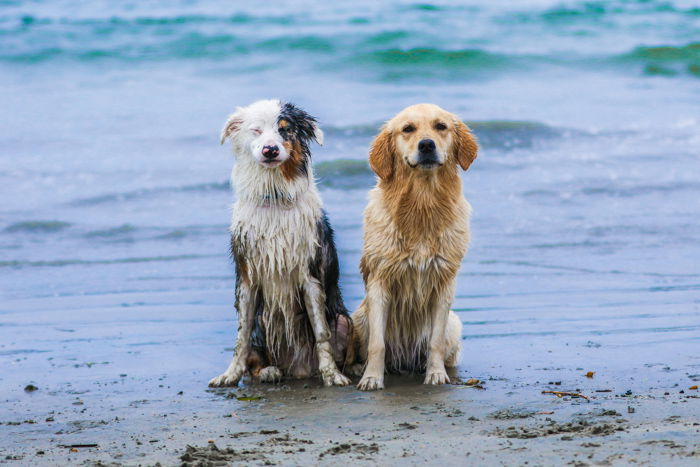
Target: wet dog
[[292, 320], [416, 234]]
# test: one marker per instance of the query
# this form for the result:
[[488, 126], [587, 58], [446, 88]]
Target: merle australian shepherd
[[292, 320]]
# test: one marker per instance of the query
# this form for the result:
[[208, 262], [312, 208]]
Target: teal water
[[115, 200], [627, 36]]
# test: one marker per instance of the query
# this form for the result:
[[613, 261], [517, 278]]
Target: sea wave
[[149, 192], [344, 173], [376, 48], [37, 226], [600, 12], [16, 264], [419, 56], [666, 60], [119, 231]]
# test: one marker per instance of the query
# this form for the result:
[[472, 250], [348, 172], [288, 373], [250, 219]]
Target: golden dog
[[416, 234]]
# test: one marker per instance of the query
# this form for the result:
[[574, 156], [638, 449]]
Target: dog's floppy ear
[[305, 124], [465, 145], [318, 134], [232, 125], [307, 127], [381, 154]]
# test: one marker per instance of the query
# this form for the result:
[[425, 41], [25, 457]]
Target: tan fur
[[380, 155], [416, 234], [465, 146], [290, 167]]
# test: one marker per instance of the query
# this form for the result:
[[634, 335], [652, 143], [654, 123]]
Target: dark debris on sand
[[211, 455], [576, 427], [351, 448]]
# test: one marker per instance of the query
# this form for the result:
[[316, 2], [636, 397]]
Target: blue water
[[115, 200]]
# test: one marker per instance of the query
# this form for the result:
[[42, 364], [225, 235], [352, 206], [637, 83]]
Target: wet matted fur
[[292, 320], [416, 232]]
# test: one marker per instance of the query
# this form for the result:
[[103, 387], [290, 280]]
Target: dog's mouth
[[271, 163], [425, 163]]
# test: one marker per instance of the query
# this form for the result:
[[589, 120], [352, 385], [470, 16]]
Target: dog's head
[[272, 133], [422, 137]]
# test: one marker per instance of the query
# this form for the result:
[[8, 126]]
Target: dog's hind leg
[[345, 346], [315, 306], [342, 341], [259, 367], [355, 359], [256, 362], [270, 374]]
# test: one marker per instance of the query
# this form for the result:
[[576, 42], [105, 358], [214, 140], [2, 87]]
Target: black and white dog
[[292, 319]]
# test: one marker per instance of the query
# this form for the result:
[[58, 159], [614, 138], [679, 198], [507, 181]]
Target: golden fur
[[416, 233]]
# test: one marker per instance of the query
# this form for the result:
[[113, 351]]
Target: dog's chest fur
[[432, 258], [275, 221], [277, 241]]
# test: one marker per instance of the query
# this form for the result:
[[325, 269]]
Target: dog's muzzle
[[427, 155], [270, 152]]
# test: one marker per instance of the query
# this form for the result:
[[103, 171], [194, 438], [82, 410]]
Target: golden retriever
[[416, 234]]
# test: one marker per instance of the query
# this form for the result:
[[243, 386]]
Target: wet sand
[[301, 423], [126, 385]]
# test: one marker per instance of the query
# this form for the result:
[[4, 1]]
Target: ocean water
[[115, 196]]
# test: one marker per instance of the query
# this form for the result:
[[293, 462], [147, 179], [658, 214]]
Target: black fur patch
[[295, 124], [301, 125], [257, 335], [324, 267]]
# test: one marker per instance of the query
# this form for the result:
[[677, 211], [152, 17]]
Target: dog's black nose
[[270, 152], [426, 146]]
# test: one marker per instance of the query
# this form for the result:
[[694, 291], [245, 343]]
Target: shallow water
[[115, 200]]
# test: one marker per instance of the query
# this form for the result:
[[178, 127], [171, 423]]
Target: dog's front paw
[[371, 383], [333, 377], [270, 374], [436, 377], [227, 379]]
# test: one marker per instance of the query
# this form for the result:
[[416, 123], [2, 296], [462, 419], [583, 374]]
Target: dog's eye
[[440, 126], [409, 129], [257, 131]]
